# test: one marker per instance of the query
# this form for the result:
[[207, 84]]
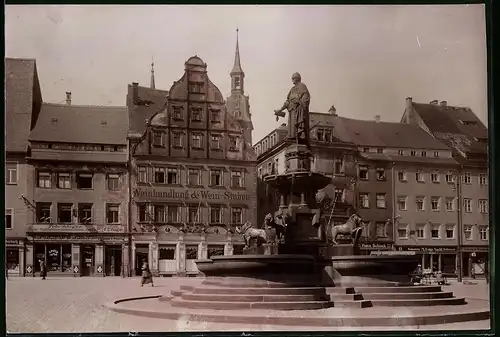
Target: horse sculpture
[[351, 227], [249, 232]]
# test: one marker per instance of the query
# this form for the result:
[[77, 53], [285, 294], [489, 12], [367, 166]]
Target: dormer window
[[469, 123], [196, 87], [380, 150], [436, 153], [423, 154], [413, 153], [401, 152], [366, 149]]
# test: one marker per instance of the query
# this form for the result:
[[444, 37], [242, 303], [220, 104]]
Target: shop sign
[[76, 228], [186, 195], [12, 242], [375, 246], [429, 249], [392, 252], [76, 238], [475, 249]]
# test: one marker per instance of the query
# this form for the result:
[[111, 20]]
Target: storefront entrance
[[113, 260], [141, 255], [12, 260], [88, 260]]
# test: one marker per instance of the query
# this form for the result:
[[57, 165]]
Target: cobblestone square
[[76, 305]]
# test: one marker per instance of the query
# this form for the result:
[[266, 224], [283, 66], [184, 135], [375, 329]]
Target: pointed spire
[[237, 63], [152, 85]]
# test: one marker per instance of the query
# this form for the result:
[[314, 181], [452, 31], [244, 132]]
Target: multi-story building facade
[[79, 187], [192, 173], [23, 100], [462, 131]]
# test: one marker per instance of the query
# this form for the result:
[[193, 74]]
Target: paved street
[[76, 305]]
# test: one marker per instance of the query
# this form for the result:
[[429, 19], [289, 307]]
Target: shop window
[[173, 213], [11, 173], [191, 252], [142, 174], [113, 182], [44, 180], [216, 177], [9, 217], [64, 180], [173, 175], [65, 213], [43, 212], [215, 215], [84, 181], [158, 139], [237, 179], [53, 260], [236, 215], [160, 215], [363, 173], [194, 177], [167, 253], [85, 213], [159, 175], [12, 260], [215, 251], [112, 214]]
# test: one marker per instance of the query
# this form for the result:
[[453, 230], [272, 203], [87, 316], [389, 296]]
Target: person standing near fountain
[[297, 104]]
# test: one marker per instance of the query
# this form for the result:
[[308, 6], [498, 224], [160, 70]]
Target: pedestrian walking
[[147, 277], [473, 272], [43, 269]]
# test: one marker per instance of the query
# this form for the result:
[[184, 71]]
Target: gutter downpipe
[[458, 185], [394, 204]]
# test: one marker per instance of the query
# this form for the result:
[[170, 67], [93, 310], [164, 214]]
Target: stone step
[[165, 298], [418, 302], [216, 305], [339, 290], [406, 296], [187, 288], [227, 284], [345, 297], [351, 304], [260, 291], [412, 289], [177, 292], [252, 298]]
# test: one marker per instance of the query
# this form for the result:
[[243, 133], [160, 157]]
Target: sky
[[364, 60]]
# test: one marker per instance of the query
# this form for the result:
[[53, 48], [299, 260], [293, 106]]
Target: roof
[[138, 114], [409, 159], [19, 83], [445, 119], [81, 124], [384, 134]]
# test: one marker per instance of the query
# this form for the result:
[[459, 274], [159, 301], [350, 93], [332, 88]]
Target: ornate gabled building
[[192, 174], [463, 132], [23, 100], [79, 181]]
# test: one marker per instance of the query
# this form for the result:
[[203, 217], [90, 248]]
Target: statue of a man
[[297, 104]]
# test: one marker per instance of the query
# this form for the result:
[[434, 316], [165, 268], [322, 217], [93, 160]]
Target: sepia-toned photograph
[[214, 168]]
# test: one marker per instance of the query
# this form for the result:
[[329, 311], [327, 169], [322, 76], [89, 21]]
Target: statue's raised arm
[[297, 104]]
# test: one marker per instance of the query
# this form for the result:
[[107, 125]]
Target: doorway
[[113, 261], [88, 260], [141, 255]]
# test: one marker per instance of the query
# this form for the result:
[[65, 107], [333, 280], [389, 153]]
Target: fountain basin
[[256, 265]]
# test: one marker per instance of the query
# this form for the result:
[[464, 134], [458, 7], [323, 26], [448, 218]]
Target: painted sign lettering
[[77, 238], [375, 246], [76, 228], [428, 249], [190, 195]]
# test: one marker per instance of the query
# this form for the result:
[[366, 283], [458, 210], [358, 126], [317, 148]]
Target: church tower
[[237, 103]]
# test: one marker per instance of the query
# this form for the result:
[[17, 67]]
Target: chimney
[[434, 102], [443, 104], [409, 102], [68, 97], [135, 92], [377, 118], [332, 110]]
